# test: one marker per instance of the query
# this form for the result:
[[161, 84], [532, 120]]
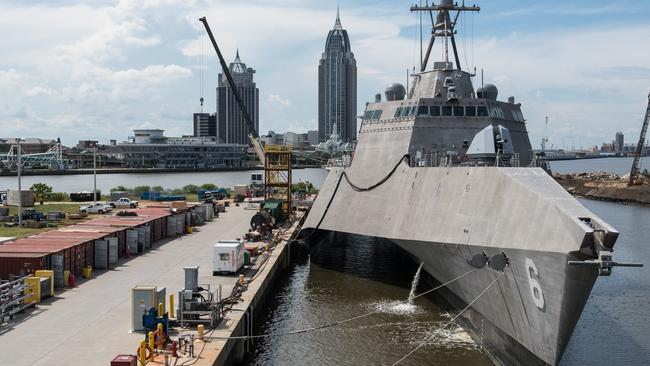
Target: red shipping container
[[27, 263]]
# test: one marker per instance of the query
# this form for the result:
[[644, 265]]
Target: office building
[[231, 124], [337, 87]]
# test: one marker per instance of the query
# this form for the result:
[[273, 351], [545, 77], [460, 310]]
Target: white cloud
[[107, 68], [277, 99]]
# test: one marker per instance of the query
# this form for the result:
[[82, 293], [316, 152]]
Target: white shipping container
[[228, 256]]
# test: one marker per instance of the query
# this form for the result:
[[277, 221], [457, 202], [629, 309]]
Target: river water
[[352, 275], [81, 182]]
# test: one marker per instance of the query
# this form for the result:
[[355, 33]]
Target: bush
[[303, 186], [190, 188], [119, 189], [157, 188], [209, 186], [57, 196], [178, 192]]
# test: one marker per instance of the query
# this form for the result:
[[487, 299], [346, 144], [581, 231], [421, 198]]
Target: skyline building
[[231, 125], [337, 86], [205, 125]]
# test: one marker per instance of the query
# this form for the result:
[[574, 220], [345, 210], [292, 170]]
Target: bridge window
[[368, 115], [398, 112], [446, 111], [482, 111], [434, 110], [413, 110], [459, 111], [377, 114], [470, 111], [423, 110]]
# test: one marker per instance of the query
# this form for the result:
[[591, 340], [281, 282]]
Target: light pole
[[20, 192], [95, 172]]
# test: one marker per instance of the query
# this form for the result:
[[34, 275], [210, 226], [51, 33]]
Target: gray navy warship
[[448, 174]]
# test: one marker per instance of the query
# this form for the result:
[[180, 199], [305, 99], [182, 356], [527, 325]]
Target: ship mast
[[443, 26]]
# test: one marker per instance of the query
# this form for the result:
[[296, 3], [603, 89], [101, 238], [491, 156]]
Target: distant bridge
[[52, 158]]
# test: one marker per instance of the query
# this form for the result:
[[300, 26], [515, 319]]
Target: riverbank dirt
[[605, 187]]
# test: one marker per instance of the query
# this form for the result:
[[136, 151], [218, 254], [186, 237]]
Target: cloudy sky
[[97, 69]]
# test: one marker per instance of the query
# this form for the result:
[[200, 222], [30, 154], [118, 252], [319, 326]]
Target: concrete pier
[[90, 324]]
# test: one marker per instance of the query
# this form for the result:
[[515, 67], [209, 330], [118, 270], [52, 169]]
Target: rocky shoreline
[[605, 187]]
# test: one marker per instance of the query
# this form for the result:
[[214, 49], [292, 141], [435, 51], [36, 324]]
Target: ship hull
[[506, 307], [444, 216]]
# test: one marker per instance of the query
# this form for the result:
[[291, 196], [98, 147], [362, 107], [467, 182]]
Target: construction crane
[[634, 173], [276, 160], [252, 133]]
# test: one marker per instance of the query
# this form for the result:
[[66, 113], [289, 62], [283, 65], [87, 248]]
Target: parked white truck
[[123, 203], [96, 207]]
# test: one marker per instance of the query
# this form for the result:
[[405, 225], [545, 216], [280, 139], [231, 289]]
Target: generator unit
[[228, 257], [144, 298], [197, 304]]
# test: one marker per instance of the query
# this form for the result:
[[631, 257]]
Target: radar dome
[[395, 91], [488, 91]]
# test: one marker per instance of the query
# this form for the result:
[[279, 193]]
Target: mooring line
[[435, 333], [339, 322]]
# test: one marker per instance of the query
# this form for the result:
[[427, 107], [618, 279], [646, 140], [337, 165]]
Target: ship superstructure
[[443, 171]]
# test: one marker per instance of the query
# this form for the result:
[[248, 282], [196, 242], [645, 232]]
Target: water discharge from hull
[[414, 284]]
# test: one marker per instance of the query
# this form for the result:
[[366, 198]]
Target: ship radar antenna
[[443, 26]]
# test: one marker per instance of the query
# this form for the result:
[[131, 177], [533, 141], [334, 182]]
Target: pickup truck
[[123, 203], [96, 207]]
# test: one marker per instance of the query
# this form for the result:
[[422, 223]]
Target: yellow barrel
[[88, 272], [66, 278], [189, 229]]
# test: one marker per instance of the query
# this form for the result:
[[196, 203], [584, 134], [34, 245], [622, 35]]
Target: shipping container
[[18, 264]]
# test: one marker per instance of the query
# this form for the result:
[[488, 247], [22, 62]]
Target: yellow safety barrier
[[87, 272], [47, 273], [152, 341], [161, 309], [33, 290], [143, 353], [171, 305]]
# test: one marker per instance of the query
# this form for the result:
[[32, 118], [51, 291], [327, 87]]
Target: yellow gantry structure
[[277, 176]]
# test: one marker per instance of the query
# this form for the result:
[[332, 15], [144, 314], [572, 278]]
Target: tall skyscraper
[[337, 86], [231, 125]]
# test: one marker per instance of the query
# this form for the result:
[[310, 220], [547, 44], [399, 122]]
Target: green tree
[[190, 188], [209, 186], [40, 190], [157, 188]]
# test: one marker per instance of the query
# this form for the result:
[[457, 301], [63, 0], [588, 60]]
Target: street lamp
[[95, 172], [20, 192]]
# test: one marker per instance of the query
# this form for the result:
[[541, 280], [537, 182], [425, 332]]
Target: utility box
[[228, 256], [144, 298], [124, 360], [13, 195]]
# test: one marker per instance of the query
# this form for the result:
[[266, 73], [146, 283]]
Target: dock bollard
[[200, 329], [171, 305], [266, 247], [152, 339], [143, 353], [241, 280]]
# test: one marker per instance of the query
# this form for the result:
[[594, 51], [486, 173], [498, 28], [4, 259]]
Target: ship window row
[[405, 111], [452, 111], [372, 115]]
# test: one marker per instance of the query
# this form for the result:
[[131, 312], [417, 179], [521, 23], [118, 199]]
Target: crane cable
[[339, 322], [437, 331]]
